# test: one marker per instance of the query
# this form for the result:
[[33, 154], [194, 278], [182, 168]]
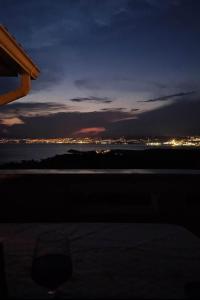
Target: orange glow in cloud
[[91, 130], [11, 121]]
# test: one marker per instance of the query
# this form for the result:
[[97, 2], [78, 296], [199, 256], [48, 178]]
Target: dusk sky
[[108, 67]]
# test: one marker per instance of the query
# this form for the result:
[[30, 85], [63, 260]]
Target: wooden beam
[[14, 61], [16, 53], [20, 92]]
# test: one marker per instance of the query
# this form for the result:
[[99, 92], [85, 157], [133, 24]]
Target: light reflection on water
[[19, 152], [102, 171]]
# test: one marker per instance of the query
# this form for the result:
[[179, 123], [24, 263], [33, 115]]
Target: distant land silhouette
[[116, 159]]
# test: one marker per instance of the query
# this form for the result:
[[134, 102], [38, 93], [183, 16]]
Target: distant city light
[[154, 144], [148, 142]]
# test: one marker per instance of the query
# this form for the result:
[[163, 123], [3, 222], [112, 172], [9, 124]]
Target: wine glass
[[52, 264]]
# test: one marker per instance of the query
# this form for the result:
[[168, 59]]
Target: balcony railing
[[156, 196], [135, 196]]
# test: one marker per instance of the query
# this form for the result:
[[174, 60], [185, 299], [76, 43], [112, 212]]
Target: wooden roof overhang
[[15, 61]]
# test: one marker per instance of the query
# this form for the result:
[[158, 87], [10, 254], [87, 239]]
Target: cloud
[[176, 119], [168, 97], [33, 109], [135, 109], [61, 124], [53, 34], [11, 121], [180, 118], [120, 109], [92, 98], [113, 109], [90, 131], [129, 83]]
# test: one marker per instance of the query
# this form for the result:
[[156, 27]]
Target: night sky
[[108, 67]]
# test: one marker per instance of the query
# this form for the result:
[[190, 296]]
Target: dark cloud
[[169, 97], [180, 118], [114, 109], [52, 32], [26, 109], [77, 41], [105, 109], [134, 109], [92, 98], [46, 23], [60, 124]]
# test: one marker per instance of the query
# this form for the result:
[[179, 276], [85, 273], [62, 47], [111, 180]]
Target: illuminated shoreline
[[152, 142]]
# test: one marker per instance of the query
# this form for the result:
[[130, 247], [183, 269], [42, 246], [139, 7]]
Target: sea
[[20, 152]]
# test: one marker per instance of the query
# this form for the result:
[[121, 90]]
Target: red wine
[[51, 270]]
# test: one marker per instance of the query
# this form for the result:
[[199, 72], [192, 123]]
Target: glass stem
[[52, 294]]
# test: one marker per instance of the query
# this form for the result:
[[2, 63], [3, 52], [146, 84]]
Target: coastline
[[115, 159]]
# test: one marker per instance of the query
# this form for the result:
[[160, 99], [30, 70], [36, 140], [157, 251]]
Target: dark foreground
[[112, 256], [116, 159], [110, 261], [101, 197]]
